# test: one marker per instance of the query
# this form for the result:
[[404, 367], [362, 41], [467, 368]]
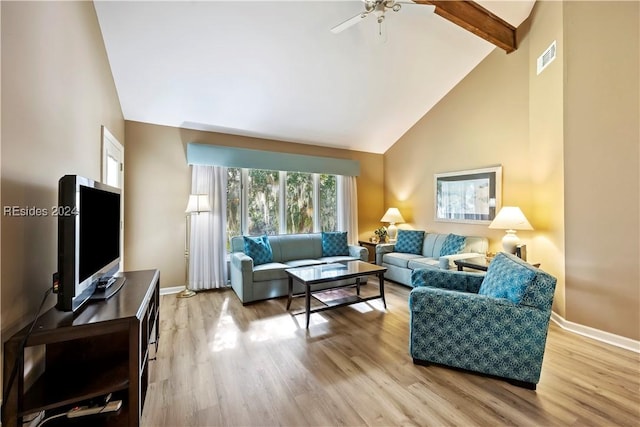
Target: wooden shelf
[[46, 393], [102, 349]]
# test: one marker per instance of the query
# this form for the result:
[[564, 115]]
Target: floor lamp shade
[[510, 219], [392, 216], [197, 203]]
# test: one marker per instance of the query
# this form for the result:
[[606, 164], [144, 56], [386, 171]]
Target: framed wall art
[[470, 196]]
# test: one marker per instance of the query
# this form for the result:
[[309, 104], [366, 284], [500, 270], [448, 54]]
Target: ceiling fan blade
[[348, 23]]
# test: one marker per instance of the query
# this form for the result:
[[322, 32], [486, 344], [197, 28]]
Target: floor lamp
[[197, 203]]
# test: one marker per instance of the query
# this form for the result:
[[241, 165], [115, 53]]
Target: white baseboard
[[596, 334], [172, 290]]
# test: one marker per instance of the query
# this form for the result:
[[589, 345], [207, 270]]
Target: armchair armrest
[[359, 252], [383, 248], [447, 279]]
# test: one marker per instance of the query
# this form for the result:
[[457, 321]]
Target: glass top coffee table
[[478, 263], [325, 273]]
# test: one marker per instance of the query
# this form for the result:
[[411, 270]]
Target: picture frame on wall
[[470, 196]]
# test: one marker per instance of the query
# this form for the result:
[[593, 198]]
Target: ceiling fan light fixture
[[396, 7]]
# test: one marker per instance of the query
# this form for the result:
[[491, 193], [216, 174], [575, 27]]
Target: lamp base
[[186, 293], [510, 241], [392, 232]]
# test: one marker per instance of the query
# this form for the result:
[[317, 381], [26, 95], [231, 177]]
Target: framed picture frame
[[470, 196]]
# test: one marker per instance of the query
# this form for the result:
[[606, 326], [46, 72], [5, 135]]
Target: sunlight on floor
[[279, 327], [227, 332]]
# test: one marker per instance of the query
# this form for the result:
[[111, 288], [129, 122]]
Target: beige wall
[[158, 182], [57, 91], [482, 122], [602, 163], [545, 155], [568, 143]]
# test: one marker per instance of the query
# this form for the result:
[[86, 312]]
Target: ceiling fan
[[377, 8]]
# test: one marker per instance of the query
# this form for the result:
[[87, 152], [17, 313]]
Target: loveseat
[[257, 278], [415, 249]]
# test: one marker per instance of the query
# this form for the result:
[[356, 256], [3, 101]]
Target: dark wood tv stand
[[101, 349]]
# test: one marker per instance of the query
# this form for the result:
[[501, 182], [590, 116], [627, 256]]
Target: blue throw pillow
[[258, 248], [409, 241], [453, 244], [334, 243], [507, 277]]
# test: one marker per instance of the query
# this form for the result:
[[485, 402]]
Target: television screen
[[88, 238], [99, 229]]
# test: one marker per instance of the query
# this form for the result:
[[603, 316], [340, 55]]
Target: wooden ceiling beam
[[478, 20]]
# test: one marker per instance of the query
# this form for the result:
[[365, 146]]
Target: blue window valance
[[216, 155]]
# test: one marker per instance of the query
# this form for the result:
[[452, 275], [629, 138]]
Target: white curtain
[[348, 207], [207, 249]]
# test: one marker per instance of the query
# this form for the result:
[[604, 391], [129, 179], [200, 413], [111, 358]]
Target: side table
[[371, 247]]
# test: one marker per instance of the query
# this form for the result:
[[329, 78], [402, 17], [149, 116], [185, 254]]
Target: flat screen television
[[88, 239]]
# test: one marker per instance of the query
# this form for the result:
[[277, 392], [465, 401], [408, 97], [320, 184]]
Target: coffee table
[[478, 263], [325, 273]]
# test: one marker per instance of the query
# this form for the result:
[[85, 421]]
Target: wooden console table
[[102, 349]]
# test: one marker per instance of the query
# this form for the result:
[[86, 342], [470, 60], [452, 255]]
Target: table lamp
[[510, 219], [392, 216]]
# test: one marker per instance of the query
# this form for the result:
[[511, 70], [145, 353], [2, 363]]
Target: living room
[[566, 139]]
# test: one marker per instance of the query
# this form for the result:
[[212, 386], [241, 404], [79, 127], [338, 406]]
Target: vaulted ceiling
[[273, 69]]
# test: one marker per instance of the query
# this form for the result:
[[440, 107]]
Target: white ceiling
[[272, 69]]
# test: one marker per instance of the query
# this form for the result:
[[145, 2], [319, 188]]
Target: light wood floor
[[222, 364]]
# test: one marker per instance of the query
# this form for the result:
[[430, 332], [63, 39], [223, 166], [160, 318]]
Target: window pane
[[234, 211], [263, 202], [328, 203], [299, 202]]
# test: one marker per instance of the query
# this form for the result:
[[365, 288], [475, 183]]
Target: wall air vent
[[547, 57]]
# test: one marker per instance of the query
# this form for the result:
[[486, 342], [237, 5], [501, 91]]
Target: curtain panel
[[207, 251], [348, 207]]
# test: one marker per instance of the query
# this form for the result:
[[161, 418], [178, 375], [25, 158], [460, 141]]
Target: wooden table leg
[[308, 302], [290, 293], [358, 286], [381, 279]]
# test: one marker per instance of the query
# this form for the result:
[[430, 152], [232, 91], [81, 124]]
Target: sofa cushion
[[334, 243], [507, 278], [432, 244], [269, 271], [258, 248], [302, 262], [452, 244], [337, 258], [399, 259], [423, 263], [410, 241]]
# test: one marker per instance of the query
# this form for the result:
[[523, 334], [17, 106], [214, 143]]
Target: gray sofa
[[259, 282], [400, 265]]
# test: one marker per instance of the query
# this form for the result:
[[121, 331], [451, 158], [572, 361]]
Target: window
[[276, 202], [328, 206], [234, 206], [263, 200], [299, 202]]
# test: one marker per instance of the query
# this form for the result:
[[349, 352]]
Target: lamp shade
[[198, 203], [392, 216], [510, 218]]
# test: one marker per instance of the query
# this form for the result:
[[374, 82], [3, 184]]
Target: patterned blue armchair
[[494, 324]]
